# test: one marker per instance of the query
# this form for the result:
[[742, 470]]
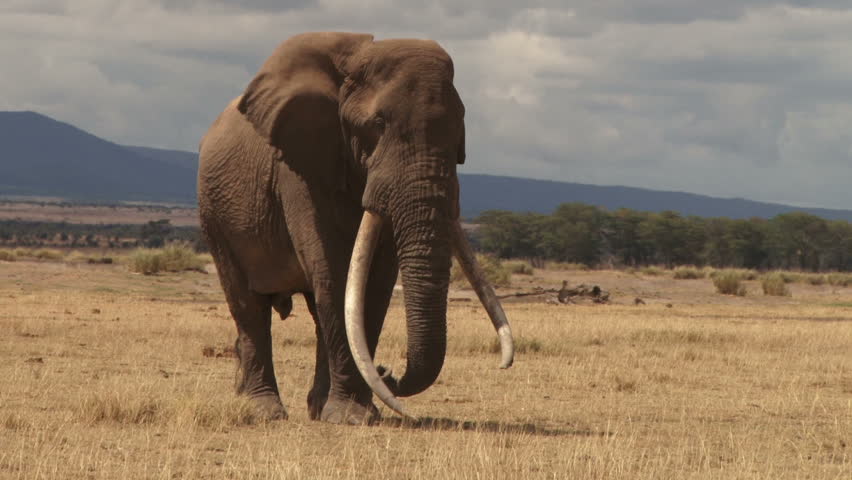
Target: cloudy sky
[[730, 98]]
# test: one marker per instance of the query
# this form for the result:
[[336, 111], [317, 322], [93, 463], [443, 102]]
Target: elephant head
[[385, 117]]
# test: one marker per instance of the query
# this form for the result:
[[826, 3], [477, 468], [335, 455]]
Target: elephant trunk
[[423, 249], [422, 236]]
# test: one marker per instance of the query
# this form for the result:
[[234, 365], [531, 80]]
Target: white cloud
[[725, 98]]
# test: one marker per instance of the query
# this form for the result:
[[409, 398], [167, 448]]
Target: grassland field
[[106, 374]]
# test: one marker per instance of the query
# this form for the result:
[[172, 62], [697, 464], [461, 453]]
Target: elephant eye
[[379, 121]]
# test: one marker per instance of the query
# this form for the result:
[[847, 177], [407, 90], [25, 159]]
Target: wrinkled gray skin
[[334, 124]]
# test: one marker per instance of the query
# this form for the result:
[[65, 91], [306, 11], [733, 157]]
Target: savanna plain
[[108, 374]]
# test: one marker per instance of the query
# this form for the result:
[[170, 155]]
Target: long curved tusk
[[356, 286], [476, 277]]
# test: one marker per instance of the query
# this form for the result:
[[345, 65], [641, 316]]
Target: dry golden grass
[[103, 376]]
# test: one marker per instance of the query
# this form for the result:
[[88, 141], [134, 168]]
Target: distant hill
[[178, 158], [486, 192], [40, 156]]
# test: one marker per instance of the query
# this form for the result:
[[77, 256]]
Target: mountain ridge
[[36, 149]]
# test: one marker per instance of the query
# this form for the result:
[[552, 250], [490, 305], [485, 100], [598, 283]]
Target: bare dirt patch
[[97, 214]]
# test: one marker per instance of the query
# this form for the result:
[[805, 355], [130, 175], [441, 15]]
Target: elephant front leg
[[383, 277], [318, 395], [348, 398]]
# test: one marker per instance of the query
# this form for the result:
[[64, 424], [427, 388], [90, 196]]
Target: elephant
[[330, 175]]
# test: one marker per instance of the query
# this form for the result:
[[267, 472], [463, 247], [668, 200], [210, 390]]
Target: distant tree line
[[154, 234], [593, 236]]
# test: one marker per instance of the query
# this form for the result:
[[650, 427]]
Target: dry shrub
[[688, 273], [816, 279], [792, 277], [519, 267], [728, 283], [840, 279], [39, 254], [175, 257], [205, 258], [651, 271], [739, 273], [495, 272], [565, 266], [774, 284], [77, 256], [7, 256], [48, 254]]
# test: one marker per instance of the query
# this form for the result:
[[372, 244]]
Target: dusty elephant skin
[[333, 128]]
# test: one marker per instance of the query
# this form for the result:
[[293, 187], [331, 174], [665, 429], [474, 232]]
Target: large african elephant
[[341, 148]]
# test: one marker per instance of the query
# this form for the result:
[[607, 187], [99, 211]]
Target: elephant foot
[[269, 407], [349, 412], [317, 399]]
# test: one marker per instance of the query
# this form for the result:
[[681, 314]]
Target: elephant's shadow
[[448, 424]]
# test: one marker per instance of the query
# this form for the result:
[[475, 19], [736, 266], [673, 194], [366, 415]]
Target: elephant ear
[[293, 100]]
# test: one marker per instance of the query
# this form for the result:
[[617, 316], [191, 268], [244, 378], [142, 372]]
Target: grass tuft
[[774, 284], [729, 283], [651, 271], [192, 410], [38, 254], [14, 422], [122, 409], [175, 257], [519, 267], [7, 256], [566, 266], [688, 273], [625, 385], [839, 279]]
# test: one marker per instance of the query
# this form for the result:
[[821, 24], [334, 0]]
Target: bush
[[519, 267], [840, 279], [728, 283], [792, 277], [774, 284], [47, 254], [562, 266], [739, 273], [496, 274], [651, 271], [816, 279], [688, 273], [7, 256], [40, 254], [175, 257]]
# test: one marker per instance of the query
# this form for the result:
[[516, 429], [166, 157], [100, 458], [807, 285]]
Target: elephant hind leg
[[252, 313]]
